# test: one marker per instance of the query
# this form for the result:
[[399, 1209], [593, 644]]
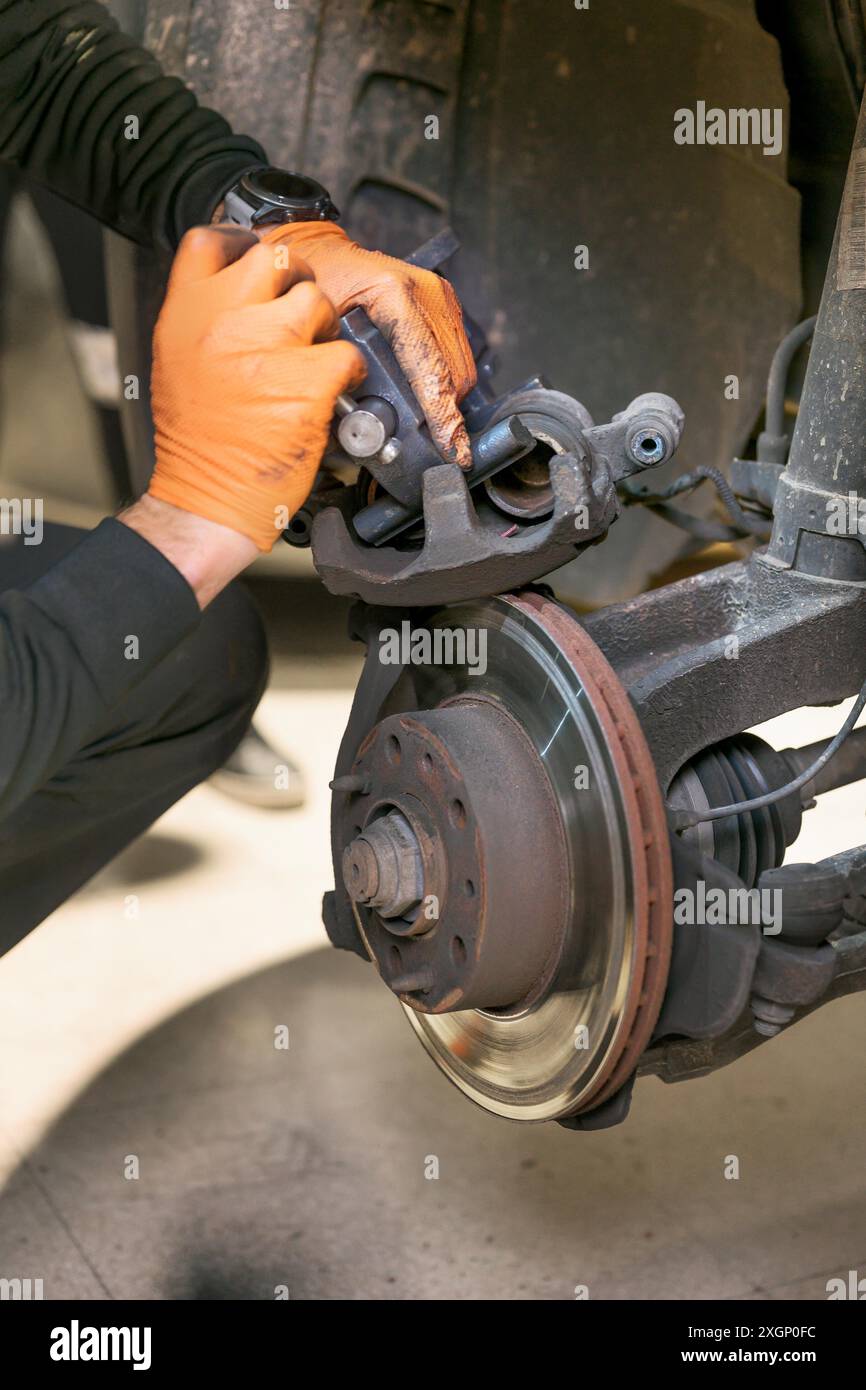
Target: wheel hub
[[444, 900]]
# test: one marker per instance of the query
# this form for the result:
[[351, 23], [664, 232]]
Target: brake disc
[[517, 796]]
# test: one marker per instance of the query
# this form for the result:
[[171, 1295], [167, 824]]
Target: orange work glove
[[417, 311], [245, 379]]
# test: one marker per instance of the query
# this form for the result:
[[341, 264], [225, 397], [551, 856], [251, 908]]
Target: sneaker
[[257, 774]]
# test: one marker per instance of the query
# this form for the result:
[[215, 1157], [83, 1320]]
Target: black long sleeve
[[69, 79], [66, 651]]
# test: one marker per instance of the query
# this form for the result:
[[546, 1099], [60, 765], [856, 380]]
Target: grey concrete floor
[[138, 1022], [306, 1168]]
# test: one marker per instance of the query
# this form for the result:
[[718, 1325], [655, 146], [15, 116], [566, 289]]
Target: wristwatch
[[268, 196]]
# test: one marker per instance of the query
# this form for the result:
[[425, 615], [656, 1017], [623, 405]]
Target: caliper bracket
[[461, 559]]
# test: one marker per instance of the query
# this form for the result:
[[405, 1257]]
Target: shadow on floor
[[149, 859], [304, 1168]]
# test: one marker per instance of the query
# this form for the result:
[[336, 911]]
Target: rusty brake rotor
[[505, 849]]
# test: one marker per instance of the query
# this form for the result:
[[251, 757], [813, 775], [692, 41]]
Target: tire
[[555, 130]]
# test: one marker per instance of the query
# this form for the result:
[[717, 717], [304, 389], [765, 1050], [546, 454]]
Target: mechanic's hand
[[417, 311], [245, 379]]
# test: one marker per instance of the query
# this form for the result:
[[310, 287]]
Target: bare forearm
[[208, 555]]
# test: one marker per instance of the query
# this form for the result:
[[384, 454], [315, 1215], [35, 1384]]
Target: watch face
[[293, 191]]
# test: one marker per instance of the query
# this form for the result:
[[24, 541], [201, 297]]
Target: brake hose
[[744, 524], [779, 370]]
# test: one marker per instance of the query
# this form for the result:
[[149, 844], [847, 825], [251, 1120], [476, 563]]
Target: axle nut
[[382, 867]]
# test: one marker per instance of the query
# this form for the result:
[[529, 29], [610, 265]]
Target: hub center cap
[[443, 898]]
